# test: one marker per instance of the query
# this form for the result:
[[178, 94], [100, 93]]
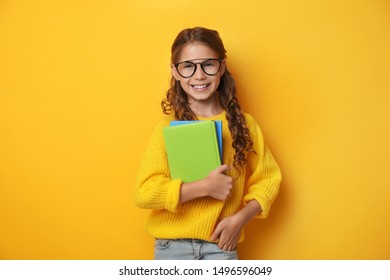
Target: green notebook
[[192, 150]]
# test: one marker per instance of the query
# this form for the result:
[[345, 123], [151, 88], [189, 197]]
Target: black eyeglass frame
[[201, 66]]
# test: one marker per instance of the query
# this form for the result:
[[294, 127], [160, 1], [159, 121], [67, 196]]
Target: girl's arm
[[154, 189], [264, 177], [263, 186]]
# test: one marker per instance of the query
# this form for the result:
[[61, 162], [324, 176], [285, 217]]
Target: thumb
[[223, 168], [217, 232]]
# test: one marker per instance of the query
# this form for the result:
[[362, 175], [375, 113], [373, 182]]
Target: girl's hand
[[219, 185], [227, 233], [216, 185]]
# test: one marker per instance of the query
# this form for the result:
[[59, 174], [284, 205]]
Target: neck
[[206, 108]]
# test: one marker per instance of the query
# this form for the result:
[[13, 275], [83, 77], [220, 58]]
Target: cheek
[[184, 86], [218, 81]]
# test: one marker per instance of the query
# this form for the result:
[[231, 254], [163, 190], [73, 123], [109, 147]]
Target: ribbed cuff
[[173, 196], [264, 205]]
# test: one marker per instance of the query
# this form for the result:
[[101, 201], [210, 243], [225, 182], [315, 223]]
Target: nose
[[199, 74]]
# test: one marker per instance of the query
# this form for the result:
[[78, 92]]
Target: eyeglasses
[[210, 66]]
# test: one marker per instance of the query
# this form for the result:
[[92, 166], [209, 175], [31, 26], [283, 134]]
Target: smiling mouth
[[200, 86]]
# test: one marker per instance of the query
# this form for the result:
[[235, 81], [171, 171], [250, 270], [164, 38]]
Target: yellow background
[[80, 89]]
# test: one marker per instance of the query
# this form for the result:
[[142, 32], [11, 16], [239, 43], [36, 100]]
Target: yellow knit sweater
[[198, 218]]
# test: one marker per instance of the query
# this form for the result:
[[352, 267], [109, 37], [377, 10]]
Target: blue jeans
[[190, 249]]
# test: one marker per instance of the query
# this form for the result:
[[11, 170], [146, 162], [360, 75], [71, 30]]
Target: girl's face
[[200, 87]]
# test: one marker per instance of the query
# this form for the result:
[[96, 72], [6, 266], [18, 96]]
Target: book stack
[[194, 148]]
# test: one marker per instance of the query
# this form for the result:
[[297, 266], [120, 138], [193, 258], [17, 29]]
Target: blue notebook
[[218, 127]]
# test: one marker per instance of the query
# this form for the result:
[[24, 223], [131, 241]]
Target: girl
[[204, 219]]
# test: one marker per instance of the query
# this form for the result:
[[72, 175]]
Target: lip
[[200, 87]]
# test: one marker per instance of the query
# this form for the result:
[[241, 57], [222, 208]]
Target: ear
[[174, 72]]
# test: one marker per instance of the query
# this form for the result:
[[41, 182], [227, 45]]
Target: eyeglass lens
[[188, 68]]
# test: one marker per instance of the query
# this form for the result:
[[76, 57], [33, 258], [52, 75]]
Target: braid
[[242, 142]]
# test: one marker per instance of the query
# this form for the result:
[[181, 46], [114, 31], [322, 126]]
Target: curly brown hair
[[176, 99]]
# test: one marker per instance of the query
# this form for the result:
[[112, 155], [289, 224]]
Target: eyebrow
[[192, 60]]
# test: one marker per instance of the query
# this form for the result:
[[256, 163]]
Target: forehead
[[192, 51]]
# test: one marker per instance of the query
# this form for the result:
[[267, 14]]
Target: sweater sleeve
[[154, 189], [265, 176]]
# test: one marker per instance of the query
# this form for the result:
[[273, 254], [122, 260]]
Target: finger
[[222, 245], [229, 247], [216, 233], [223, 168], [232, 247]]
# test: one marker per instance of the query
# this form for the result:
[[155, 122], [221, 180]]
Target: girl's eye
[[188, 66], [208, 64]]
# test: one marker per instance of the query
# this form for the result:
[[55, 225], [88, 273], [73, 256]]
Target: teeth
[[200, 86]]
